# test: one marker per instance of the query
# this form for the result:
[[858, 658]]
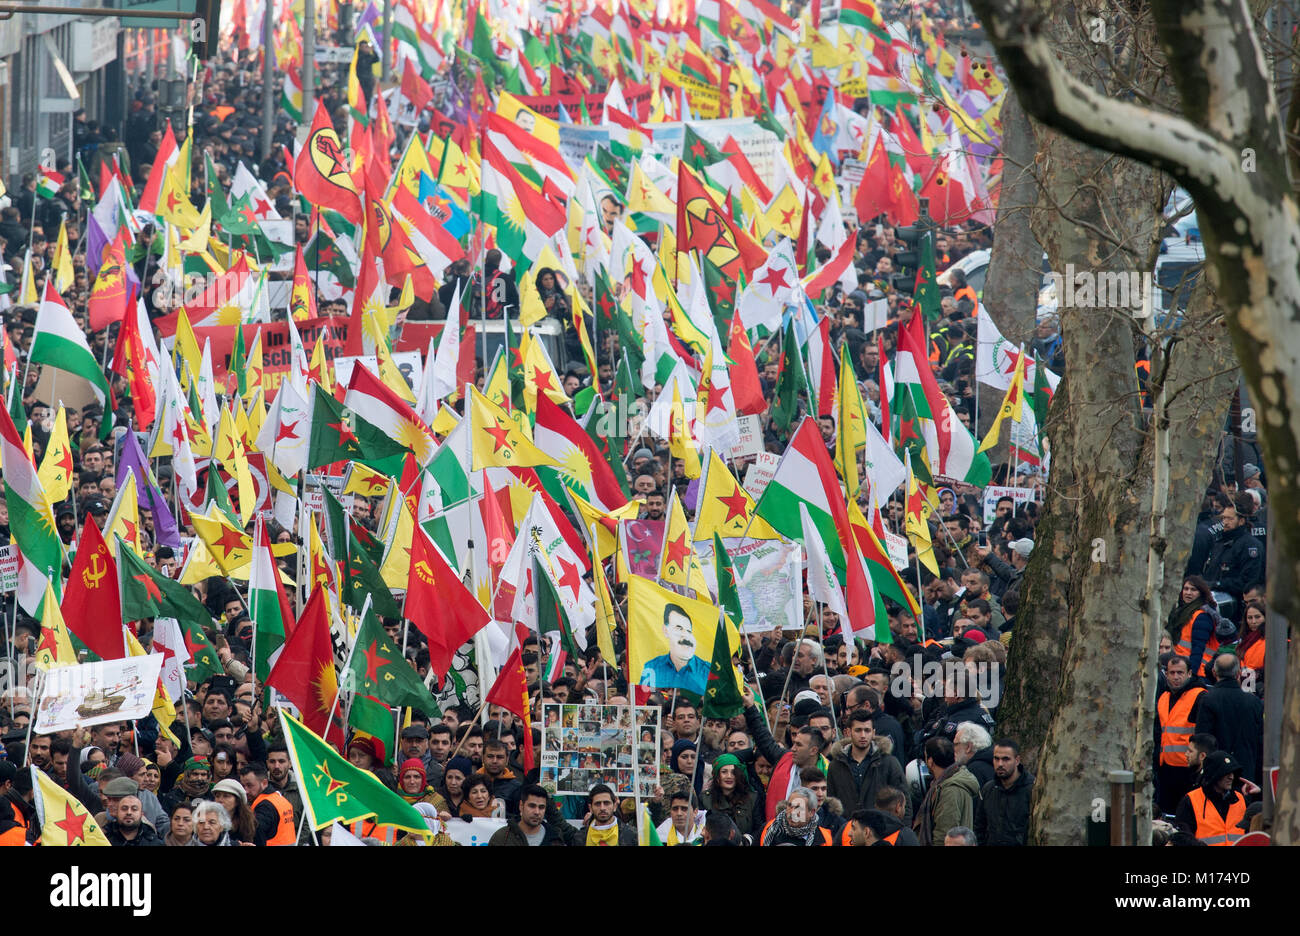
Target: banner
[[94, 693], [583, 745], [769, 580], [476, 831], [277, 353], [994, 493]]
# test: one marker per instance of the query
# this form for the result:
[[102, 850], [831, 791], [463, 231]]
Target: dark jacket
[[626, 834], [1002, 575], [79, 786], [1236, 719], [147, 836], [1236, 562], [905, 834], [1202, 541], [950, 717], [1002, 814], [513, 835], [883, 770], [888, 726], [507, 787], [981, 765], [745, 813]]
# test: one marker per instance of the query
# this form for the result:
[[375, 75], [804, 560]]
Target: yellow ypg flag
[[56, 465], [539, 374], [918, 531], [497, 441], [606, 623], [124, 518], [200, 565], [396, 568], [389, 375], [365, 481], [174, 205], [1012, 404], [228, 449], [605, 524], [678, 564], [726, 508], [63, 820], [785, 213], [55, 647], [186, 347], [646, 197], [229, 548], [63, 272], [670, 637], [680, 443], [852, 431]]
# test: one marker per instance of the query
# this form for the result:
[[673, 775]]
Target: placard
[[8, 568], [586, 744], [994, 493], [897, 547], [478, 831], [762, 471], [99, 692], [751, 437]]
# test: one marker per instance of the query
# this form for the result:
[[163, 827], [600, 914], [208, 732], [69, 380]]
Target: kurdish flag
[[31, 521], [524, 217], [48, 183], [267, 605], [863, 14], [59, 343], [335, 791], [806, 476]]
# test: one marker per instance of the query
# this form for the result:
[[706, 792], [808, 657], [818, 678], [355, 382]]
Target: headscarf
[[679, 747]]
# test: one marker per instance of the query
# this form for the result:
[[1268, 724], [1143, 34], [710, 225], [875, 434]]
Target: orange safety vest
[[1254, 658], [16, 835], [1184, 646], [966, 292], [368, 828], [826, 834], [1176, 727], [285, 833], [1210, 827]]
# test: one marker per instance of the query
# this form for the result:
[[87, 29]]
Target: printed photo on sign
[[583, 745]]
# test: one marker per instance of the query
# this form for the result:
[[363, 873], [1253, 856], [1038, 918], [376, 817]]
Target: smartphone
[[982, 538]]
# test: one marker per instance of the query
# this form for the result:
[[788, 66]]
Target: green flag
[[378, 669], [335, 791], [338, 434], [790, 384], [722, 698], [147, 594], [926, 292], [361, 578], [371, 718]]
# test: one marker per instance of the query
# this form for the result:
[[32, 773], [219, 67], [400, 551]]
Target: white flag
[[170, 642], [822, 582]]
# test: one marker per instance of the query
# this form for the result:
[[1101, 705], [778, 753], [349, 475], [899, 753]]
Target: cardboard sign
[[897, 546], [276, 350], [477, 831], [994, 493], [8, 569], [94, 693], [760, 473], [751, 438]]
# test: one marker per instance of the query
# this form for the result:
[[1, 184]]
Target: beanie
[[129, 764], [463, 764], [413, 763]]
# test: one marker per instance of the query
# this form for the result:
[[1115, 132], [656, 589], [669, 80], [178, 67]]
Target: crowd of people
[[837, 744]]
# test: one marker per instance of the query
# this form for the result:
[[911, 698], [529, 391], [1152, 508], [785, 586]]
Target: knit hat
[[198, 763], [129, 764], [413, 763], [231, 786], [1250, 471], [463, 764]]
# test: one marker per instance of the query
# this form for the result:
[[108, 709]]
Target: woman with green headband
[[729, 793]]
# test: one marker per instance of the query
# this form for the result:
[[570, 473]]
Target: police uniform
[[1236, 563]]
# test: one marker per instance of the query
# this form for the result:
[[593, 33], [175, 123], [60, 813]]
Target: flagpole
[[826, 670]]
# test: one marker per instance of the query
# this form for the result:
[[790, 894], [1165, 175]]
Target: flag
[[333, 790], [582, 467], [722, 696], [377, 405], [440, 605], [823, 585], [378, 669], [92, 604], [304, 672], [725, 508], [1012, 404], [321, 172], [510, 691], [31, 521], [791, 384], [148, 593], [63, 820], [268, 605], [498, 441], [55, 646], [918, 529], [851, 425], [56, 466], [60, 343], [338, 434], [670, 637]]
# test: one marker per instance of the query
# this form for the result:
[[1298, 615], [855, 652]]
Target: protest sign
[[583, 745], [760, 473], [94, 693], [751, 438], [993, 493], [276, 349], [477, 831]]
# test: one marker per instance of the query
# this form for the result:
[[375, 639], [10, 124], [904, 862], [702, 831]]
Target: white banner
[[994, 493], [476, 831], [94, 693]]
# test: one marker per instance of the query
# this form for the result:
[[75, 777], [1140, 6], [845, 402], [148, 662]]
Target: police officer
[[1236, 559]]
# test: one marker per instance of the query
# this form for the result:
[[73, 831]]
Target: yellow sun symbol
[[416, 439], [325, 686], [575, 466], [514, 211]]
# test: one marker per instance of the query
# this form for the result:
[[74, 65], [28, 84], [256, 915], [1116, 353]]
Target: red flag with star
[[510, 691], [439, 604]]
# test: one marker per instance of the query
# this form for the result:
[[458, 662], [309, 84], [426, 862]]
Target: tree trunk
[[1016, 261], [1227, 148]]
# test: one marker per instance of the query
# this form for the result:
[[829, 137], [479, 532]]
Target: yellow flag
[[678, 564], [1012, 404], [228, 449], [63, 272], [670, 637], [414, 161], [605, 524], [389, 375], [497, 441], [918, 531], [851, 434], [644, 196], [164, 712], [55, 646], [124, 518], [539, 374], [396, 567], [186, 347], [63, 820], [256, 417], [254, 366], [366, 482], [56, 465], [174, 205], [200, 564], [680, 443], [726, 508], [785, 212], [320, 368]]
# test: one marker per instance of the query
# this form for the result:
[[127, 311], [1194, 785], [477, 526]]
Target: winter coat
[[1236, 719], [950, 802], [511, 834], [147, 836], [905, 834], [884, 770], [744, 813], [981, 765], [1236, 563], [1002, 814]]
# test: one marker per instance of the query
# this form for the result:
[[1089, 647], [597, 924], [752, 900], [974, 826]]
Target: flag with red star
[[498, 441], [339, 434], [63, 820], [335, 791], [55, 647]]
